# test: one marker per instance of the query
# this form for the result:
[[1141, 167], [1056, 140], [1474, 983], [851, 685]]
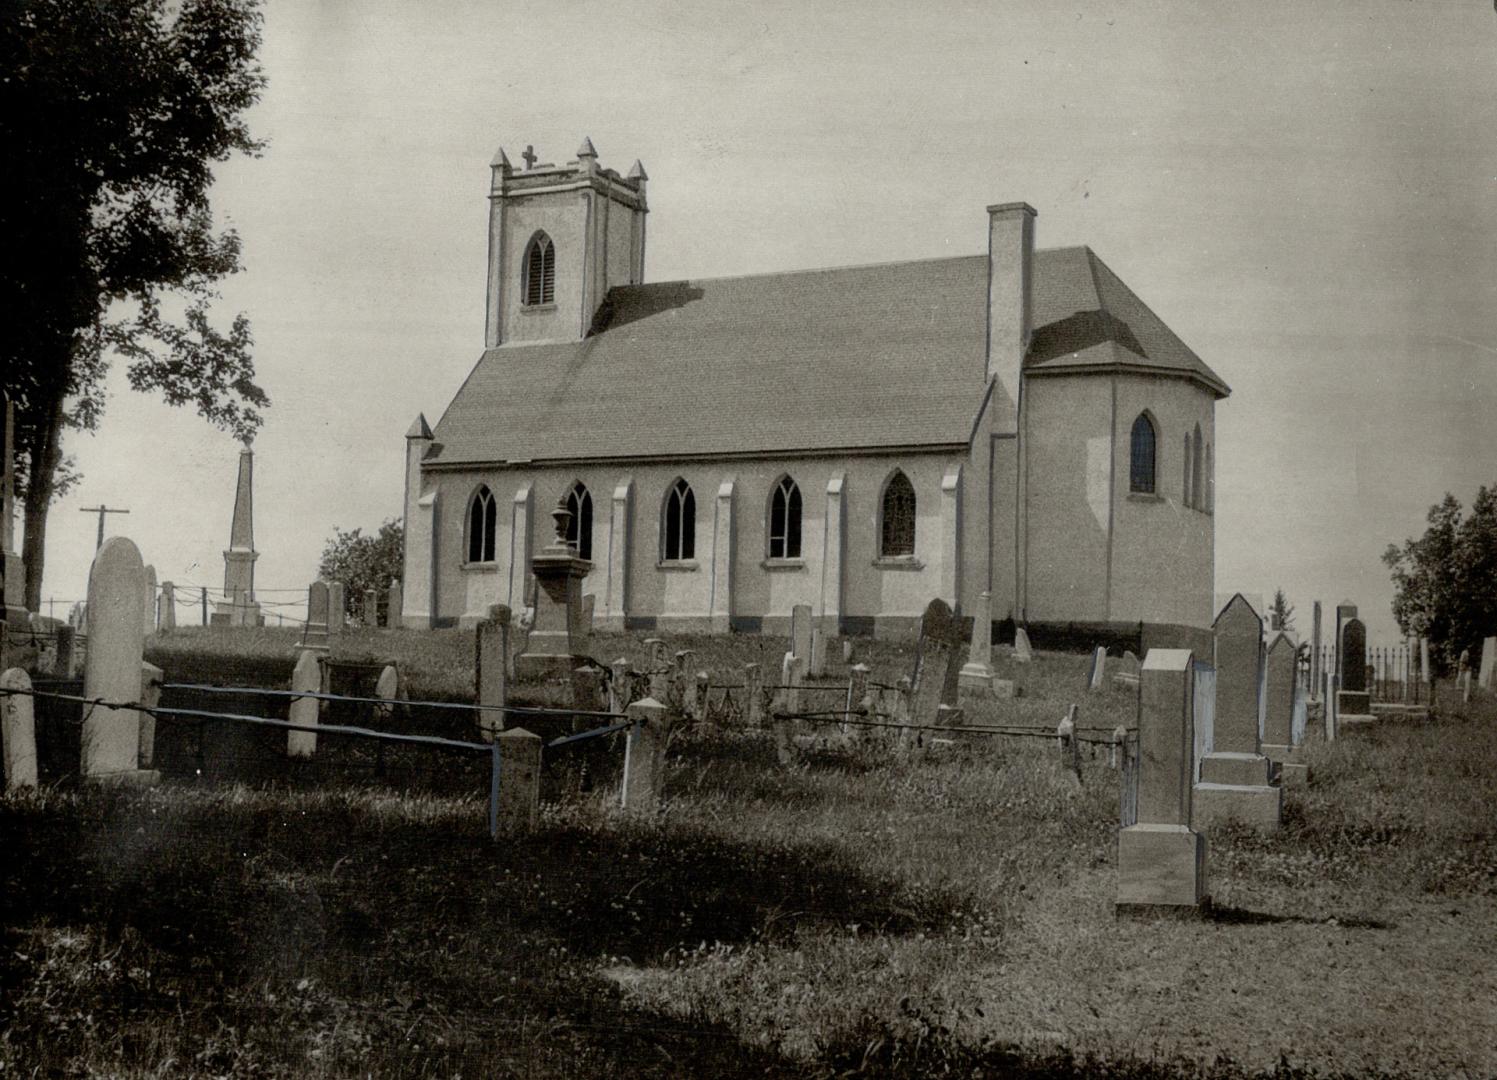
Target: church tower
[[560, 236]]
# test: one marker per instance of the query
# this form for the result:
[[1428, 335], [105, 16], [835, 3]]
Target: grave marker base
[[1161, 866], [1257, 806]]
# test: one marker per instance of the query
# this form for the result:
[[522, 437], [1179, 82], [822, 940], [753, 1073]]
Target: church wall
[[883, 598], [1068, 450], [564, 219], [1163, 550]]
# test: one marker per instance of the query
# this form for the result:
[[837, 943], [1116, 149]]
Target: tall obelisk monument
[[239, 607]]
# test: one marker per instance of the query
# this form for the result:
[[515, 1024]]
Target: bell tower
[[560, 236]]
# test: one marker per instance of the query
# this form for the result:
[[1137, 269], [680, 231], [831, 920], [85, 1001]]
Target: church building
[[860, 439]]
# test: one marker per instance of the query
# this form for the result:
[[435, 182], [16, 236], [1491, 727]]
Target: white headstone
[[116, 642], [18, 731], [1099, 668], [306, 678], [800, 631]]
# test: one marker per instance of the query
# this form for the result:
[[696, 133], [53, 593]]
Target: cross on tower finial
[[529, 156]]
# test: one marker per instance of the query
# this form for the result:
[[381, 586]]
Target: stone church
[[860, 439]]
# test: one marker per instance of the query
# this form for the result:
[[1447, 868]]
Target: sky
[[1307, 194]]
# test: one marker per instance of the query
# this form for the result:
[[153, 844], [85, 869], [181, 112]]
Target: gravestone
[[1315, 649], [1234, 772], [1099, 668], [800, 631], [620, 685], [306, 678], [1355, 702], [1487, 680], [111, 672], [976, 675], [318, 605], [166, 615], [1161, 858], [370, 613], [337, 607], [1126, 676], [753, 693], [149, 618], [938, 672], [817, 667], [589, 606], [18, 731], [1281, 691], [394, 603], [387, 689], [1023, 660]]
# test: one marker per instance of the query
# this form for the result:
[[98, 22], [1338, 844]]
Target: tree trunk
[[45, 456]]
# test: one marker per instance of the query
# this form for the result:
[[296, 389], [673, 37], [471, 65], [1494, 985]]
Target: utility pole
[[101, 510]]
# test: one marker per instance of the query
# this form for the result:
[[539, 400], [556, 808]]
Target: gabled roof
[[862, 357]]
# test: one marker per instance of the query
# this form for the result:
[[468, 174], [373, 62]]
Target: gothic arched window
[[1185, 494], [538, 273], [1197, 474], [784, 520], [1210, 506], [680, 533], [1141, 456], [580, 527], [897, 527], [482, 519]]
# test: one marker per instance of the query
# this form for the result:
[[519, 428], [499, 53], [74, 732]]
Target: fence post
[[857, 691], [753, 688], [515, 789], [306, 678], [789, 697], [490, 669], [116, 644], [150, 696], [644, 756], [1070, 745], [205, 605], [166, 617], [18, 731]]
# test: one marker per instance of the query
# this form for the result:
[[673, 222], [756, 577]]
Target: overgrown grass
[[862, 913]]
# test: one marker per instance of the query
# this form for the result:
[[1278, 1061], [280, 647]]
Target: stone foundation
[[1259, 806]]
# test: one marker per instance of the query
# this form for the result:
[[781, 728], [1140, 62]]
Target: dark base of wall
[[444, 622], [747, 624], [639, 622]]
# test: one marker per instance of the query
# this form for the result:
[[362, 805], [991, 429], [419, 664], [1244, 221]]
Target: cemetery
[[750, 853]]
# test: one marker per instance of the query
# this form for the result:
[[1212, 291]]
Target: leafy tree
[[1281, 612], [363, 562], [1445, 583], [112, 114]]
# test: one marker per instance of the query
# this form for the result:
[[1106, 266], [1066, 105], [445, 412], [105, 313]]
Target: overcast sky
[[1305, 193]]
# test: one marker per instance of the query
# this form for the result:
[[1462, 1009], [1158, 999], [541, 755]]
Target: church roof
[[857, 357]]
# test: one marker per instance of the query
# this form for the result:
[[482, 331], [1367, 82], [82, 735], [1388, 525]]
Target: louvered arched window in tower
[[784, 520], [539, 271], [482, 519], [897, 512], [1141, 456], [680, 525]]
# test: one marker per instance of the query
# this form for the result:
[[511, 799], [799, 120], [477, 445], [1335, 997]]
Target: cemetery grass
[[852, 915]]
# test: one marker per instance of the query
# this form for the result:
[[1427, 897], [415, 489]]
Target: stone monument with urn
[[557, 630]]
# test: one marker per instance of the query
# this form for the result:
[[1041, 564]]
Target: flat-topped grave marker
[[976, 675], [1161, 859], [800, 631]]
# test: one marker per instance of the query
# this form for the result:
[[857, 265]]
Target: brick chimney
[[1010, 299]]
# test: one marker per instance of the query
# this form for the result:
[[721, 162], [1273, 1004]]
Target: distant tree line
[[1445, 582]]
